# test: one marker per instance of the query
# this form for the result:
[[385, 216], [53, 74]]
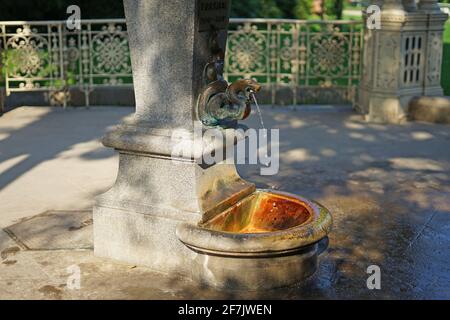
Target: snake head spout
[[244, 89], [247, 86], [221, 104]]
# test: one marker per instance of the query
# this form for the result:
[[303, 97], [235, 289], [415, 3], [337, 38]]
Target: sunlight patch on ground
[[417, 164], [363, 137], [297, 155], [10, 163], [3, 136], [355, 126], [328, 152], [376, 126], [421, 135], [21, 118], [296, 123]]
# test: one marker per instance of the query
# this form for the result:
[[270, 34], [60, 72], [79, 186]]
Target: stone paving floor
[[388, 188]]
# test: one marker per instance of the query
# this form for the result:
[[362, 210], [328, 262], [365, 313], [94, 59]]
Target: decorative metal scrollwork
[[28, 54], [110, 53], [328, 55], [314, 60], [246, 54], [317, 61]]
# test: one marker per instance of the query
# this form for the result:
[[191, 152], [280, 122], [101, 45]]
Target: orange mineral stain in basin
[[262, 212]]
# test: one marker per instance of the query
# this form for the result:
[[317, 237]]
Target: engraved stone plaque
[[213, 15]]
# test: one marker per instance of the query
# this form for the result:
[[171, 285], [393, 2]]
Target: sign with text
[[213, 15]]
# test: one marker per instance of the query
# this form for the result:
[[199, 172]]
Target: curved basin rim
[[310, 248], [308, 233]]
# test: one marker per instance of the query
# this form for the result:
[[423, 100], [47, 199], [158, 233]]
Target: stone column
[[393, 67], [429, 6], [402, 60], [434, 46], [378, 95], [410, 5], [393, 5], [157, 188]]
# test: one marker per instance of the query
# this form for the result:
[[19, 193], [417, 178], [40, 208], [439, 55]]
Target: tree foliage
[[255, 9], [303, 9], [94, 9], [291, 9], [56, 9]]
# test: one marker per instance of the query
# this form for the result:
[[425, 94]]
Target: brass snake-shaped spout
[[221, 104]]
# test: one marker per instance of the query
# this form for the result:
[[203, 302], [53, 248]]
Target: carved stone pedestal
[[157, 188], [401, 60]]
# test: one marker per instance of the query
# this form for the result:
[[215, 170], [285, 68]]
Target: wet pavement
[[388, 188]]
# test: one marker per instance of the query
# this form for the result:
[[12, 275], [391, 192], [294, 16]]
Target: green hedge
[[446, 61]]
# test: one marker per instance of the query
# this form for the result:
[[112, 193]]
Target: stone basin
[[267, 240]]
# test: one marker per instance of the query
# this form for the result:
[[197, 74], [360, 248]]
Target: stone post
[[390, 5], [429, 6], [434, 47], [379, 88], [410, 5], [157, 188], [402, 60]]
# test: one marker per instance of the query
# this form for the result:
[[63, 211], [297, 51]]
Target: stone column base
[[140, 239], [384, 109], [436, 91], [135, 221], [381, 108]]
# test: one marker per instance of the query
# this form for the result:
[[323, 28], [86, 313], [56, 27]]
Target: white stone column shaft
[[402, 59]]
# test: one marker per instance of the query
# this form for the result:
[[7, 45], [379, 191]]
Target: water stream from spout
[[259, 113], [261, 120]]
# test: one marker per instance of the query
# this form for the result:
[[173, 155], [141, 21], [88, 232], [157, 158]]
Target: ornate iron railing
[[316, 61], [299, 61], [46, 56]]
